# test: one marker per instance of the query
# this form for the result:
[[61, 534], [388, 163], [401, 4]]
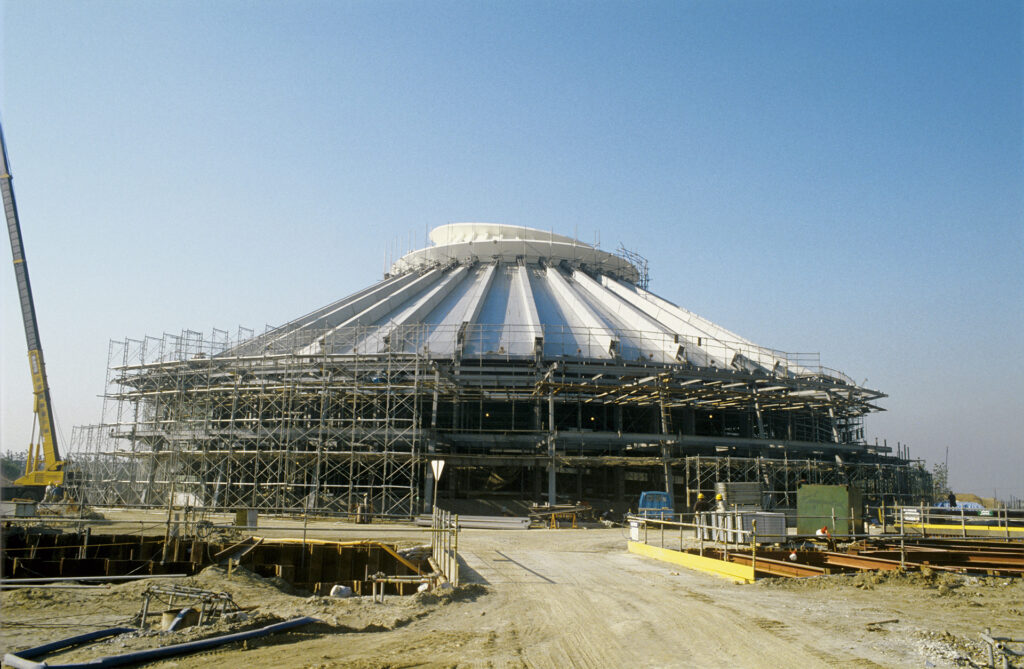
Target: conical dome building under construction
[[536, 366]]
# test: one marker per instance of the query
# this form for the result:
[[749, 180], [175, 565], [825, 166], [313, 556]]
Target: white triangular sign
[[437, 466]]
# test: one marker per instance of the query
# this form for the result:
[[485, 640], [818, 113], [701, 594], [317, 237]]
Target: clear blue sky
[[837, 177]]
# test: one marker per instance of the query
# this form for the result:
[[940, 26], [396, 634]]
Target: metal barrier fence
[[444, 544], [734, 538], [920, 520], [910, 524], [712, 527], [944, 520]]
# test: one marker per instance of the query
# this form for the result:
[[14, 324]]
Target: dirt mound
[[944, 645], [923, 578], [45, 597], [943, 581], [244, 586], [468, 592], [216, 578], [987, 502], [463, 593]]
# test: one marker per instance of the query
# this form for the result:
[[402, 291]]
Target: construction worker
[[823, 533], [719, 502], [700, 507]]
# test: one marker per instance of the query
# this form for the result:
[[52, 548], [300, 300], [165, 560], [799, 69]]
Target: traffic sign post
[[436, 467]]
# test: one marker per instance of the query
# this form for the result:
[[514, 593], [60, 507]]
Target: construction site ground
[[558, 598]]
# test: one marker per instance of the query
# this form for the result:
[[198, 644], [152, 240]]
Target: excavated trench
[[316, 566]]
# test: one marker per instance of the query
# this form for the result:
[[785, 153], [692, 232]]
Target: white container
[[341, 591]]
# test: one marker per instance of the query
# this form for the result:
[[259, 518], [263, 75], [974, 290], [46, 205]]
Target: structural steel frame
[[276, 423]]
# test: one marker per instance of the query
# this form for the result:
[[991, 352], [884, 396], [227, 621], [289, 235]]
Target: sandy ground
[[567, 598]]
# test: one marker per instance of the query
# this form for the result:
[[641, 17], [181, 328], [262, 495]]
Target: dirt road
[[576, 598]]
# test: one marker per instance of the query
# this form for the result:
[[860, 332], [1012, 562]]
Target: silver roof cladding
[[507, 290]]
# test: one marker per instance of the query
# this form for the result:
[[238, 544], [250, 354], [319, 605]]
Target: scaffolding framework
[[327, 420], [273, 432]]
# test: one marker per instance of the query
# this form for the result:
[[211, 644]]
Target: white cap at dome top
[[467, 242]]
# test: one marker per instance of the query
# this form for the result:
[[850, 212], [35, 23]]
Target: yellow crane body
[[44, 465]]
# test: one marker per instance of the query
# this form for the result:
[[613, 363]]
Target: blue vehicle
[[655, 504]]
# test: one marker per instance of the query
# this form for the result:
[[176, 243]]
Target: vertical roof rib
[[522, 332], [601, 341], [380, 339], [725, 348], [464, 313], [640, 326], [377, 309]]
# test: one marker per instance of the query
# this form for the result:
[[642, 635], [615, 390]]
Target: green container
[[815, 505]]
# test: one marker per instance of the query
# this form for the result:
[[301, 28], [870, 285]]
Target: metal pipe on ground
[[58, 579], [180, 619], [426, 578], [38, 651], [52, 586], [20, 661]]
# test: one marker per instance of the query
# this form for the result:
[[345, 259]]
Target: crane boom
[[43, 467]]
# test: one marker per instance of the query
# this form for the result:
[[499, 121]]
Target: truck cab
[[655, 504]]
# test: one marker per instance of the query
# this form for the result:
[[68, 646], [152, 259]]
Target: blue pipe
[[158, 653], [29, 653], [178, 618]]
